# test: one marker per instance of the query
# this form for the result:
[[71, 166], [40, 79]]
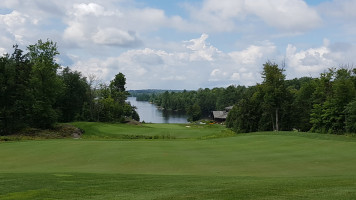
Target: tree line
[[199, 103], [326, 104], [148, 94], [36, 92]]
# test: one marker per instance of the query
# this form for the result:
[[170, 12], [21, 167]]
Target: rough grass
[[60, 131], [266, 165]]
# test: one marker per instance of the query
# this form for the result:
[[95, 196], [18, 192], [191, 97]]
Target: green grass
[[95, 130], [123, 186], [104, 165]]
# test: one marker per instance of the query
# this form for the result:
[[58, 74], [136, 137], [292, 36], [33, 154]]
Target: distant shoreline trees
[[34, 93], [325, 105], [199, 103]]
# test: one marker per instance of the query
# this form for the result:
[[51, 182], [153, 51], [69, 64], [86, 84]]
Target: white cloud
[[2, 51], [146, 19], [83, 9], [313, 61], [14, 26], [199, 64], [341, 15], [112, 24], [175, 78], [112, 36], [291, 15], [25, 22], [201, 50], [217, 15], [10, 3], [254, 53], [246, 65], [217, 75], [235, 76], [344, 9], [226, 15], [75, 32], [14, 19], [143, 42], [84, 24], [247, 78], [149, 68]]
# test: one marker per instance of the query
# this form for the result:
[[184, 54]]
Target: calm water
[[150, 113]]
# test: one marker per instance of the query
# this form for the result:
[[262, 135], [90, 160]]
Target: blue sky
[[181, 44]]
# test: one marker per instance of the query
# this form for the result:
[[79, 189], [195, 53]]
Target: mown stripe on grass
[[137, 186]]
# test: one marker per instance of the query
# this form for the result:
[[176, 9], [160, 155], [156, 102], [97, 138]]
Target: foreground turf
[[282, 165], [123, 186], [252, 155]]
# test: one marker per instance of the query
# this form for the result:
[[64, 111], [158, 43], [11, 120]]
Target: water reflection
[[150, 113]]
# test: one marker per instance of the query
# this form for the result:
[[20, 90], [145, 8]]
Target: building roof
[[220, 114], [229, 108]]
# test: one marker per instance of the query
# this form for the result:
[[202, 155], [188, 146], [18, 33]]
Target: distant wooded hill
[[146, 95]]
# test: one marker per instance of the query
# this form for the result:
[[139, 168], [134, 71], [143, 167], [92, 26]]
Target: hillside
[[265, 165]]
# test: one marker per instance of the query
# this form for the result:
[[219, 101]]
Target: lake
[[150, 113]]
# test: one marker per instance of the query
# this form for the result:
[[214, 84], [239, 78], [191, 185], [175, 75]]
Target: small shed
[[221, 115]]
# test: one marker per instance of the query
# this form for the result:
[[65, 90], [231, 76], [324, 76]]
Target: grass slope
[[281, 165], [95, 130]]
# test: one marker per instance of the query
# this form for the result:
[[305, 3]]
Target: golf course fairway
[[176, 161]]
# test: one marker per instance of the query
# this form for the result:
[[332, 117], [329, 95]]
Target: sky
[[181, 44]]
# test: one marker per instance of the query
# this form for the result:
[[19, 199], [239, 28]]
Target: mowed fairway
[[159, 131], [202, 162]]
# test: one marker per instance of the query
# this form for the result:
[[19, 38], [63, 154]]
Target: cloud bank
[[207, 43]]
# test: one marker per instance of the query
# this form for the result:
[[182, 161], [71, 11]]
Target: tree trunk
[[272, 122], [277, 125]]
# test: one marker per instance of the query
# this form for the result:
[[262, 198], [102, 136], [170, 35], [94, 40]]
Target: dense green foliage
[[324, 105], [201, 102], [149, 94], [264, 165], [34, 92]]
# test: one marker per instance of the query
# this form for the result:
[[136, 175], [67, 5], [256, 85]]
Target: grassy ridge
[[268, 165], [95, 130]]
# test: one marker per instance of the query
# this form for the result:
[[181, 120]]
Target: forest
[[36, 92], [325, 105]]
